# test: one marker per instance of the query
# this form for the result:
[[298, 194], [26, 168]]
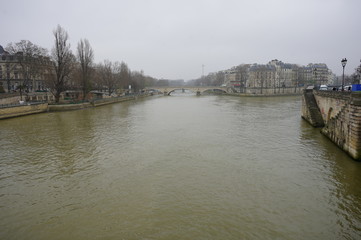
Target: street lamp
[[343, 63], [359, 72], [315, 77]]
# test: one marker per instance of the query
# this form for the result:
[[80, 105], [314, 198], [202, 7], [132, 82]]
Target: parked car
[[323, 87], [345, 88]]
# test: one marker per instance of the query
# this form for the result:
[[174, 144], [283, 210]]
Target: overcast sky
[[171, 39]]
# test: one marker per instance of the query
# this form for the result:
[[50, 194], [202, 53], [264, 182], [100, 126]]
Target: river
[[177, 167]]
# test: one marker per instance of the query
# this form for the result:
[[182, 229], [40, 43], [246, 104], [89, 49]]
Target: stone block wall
[[273, 91], [21, 110], [331, 103], [345, 128], [341, 114], [310, 110]]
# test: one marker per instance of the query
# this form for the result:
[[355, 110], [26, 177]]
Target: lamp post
[[359, 72], [315, 77], [343, 63]]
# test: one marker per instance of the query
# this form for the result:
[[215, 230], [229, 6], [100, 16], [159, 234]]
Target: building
[[237, 77], [320, 73], [277, 74], [19, 71], [262, 76]]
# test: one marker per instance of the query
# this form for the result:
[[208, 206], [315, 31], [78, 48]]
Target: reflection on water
[[178, 167]]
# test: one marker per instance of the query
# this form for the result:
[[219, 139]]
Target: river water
[[178, 167]]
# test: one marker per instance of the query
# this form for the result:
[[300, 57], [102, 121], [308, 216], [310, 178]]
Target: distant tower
[[202, 70]]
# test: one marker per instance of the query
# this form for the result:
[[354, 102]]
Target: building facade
[[16, 70], [277, 74]]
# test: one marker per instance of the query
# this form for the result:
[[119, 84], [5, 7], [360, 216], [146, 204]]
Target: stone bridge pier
[[339, 116]]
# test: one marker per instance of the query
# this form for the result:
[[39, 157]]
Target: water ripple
[[176, 168]]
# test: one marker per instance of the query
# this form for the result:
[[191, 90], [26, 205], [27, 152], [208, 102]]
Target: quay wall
[[93, 103], [21, 110], [331, 103], [310, 110], [340, 113], [274, 91], [16, 110], [68, 107], [105, 101]]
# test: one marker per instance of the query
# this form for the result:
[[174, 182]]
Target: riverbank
[[18, 110], [10, 111], [93, 103], [263, 95]]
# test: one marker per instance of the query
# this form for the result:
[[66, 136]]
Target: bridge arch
[[178, 88], [214, 89], [196, 89]]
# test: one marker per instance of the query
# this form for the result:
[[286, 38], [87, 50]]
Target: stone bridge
[[339, 115], [199, 90]]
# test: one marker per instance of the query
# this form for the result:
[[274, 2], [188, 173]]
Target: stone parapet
[[344, 95]]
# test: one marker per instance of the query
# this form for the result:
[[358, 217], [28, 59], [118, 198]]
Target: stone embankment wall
[[21, 110], [341, 115], [310, 110], [331, 103], [94, 103], [106, 101], [68, 107], [274, 91], [26, 109]]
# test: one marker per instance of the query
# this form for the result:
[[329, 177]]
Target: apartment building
[[17, 70], [277, 74]]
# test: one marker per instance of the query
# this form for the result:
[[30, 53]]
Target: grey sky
[[172, 39]]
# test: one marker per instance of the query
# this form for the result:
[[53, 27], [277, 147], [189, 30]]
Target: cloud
[[172, 39]]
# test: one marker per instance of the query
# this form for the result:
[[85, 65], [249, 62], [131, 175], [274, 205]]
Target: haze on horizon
[[173, 39]]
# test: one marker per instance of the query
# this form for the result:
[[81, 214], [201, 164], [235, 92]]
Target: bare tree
[[109, 73], [63, 61], [150, 81], [220, 77], [31, 61], [242, 76], [125, 75], [97, 79], [137, 81], [262, 73], [10, 67], [85, 57]]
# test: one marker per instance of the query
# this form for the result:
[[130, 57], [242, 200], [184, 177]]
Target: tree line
[[63, 70]]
